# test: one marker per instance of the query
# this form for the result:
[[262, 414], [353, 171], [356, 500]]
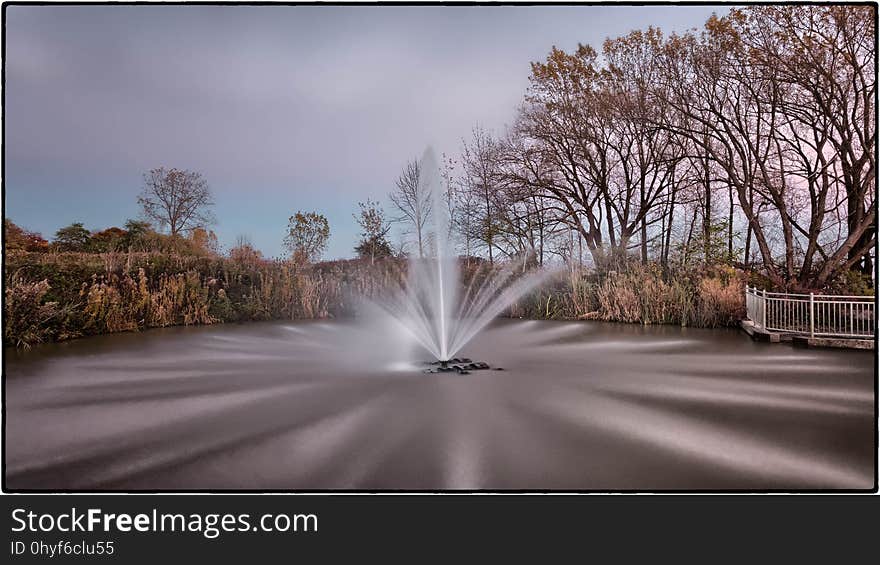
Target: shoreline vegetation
[[61, 296]]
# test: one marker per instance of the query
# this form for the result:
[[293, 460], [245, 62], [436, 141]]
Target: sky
[[281, 108]]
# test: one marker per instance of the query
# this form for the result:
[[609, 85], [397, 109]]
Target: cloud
[[280, 107]]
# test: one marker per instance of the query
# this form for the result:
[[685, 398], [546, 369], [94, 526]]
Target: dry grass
[[64, 295], [28, 315]]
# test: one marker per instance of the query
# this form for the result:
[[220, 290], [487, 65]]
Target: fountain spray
[[430, 307]]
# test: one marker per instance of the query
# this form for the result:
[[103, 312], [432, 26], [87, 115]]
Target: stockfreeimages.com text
[[209, 525]]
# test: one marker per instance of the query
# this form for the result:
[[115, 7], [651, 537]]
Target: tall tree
[[479, 177], [824, 58], [782, 103], [644, 155], [412, 200], [464, 208], [566, 145]]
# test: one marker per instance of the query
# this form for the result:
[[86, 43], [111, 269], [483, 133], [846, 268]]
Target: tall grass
[[65, 295], [28, 316], [640, 294]]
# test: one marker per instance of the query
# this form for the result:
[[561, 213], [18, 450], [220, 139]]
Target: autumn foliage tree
[[244, 252], [108, 240], [307, 236], [16, 238], [782, 100], [204, 241], [749, 142]]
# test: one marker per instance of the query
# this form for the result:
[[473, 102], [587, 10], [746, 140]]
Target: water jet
[[434, 306]]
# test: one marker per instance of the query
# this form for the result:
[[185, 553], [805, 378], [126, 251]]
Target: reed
[[57, 296]]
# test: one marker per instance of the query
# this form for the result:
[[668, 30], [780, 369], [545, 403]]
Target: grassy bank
[[641, 294], [59, 296]]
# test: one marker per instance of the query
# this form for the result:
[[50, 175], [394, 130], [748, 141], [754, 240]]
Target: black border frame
[[376, 4]]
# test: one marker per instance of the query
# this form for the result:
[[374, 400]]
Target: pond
[[336, 405]]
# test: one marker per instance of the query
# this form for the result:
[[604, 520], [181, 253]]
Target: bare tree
[[478, 176], [824, 60], [411, 198], [644, 156], [566, 143], [770, 108], [782, 103], [178, 199], [464, 209]]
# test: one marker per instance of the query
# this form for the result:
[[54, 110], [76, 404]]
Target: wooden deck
[[758, 333]]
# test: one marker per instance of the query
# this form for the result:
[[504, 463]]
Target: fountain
[[431, 307]]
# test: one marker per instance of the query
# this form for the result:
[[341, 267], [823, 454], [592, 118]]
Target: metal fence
[[811, 314]]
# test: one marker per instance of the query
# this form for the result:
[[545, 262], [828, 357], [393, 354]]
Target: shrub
[[720, 303]]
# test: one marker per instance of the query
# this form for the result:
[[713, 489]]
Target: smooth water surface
[[331, 405]]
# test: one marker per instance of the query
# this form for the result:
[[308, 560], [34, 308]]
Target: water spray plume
[[430, 307]]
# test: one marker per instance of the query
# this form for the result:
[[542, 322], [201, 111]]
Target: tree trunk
[[707, 212], [730, 223], [644, 244]]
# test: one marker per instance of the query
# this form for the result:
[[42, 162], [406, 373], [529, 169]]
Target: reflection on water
[[336, 406]]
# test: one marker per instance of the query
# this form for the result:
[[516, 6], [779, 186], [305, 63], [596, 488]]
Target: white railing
[[811, 314]]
